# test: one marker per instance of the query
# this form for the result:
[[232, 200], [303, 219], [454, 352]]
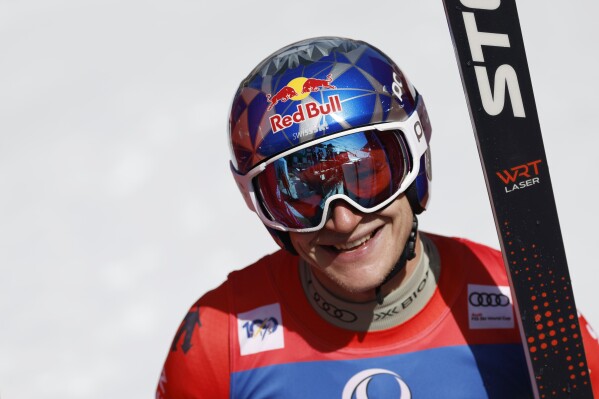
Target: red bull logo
[[312, 84], [296, 90], [305, 111]]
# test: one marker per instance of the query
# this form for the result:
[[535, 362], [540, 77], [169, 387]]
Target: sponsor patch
[[260, 329], [357, 386], [490, 306]]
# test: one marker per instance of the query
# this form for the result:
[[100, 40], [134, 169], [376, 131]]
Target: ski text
[[493, 100]]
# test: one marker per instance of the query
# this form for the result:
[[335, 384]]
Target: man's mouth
[[349, 246]]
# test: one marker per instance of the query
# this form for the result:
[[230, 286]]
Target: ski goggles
[[367, 167]]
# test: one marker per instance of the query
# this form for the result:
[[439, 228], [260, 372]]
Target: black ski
[[492, 61]]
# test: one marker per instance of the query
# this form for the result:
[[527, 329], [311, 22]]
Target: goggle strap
[[409, 253]]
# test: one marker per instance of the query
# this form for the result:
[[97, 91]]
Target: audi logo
[[486, 299], [332, 310]]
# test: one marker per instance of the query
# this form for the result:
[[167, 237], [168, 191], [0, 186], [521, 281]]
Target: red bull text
[[306, 111]]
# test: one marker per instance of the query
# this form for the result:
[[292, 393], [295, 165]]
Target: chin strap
[[409, 253]]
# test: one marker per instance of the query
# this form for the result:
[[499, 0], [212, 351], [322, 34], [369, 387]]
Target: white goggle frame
[[414, 135]]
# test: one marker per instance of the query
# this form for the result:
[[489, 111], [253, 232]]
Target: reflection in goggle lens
[[367, 167]]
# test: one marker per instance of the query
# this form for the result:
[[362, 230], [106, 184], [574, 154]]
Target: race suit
[[258, 336]]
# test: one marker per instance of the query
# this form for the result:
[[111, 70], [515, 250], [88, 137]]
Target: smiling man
[[330, 148]]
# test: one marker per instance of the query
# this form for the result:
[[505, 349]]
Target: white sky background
[[117, 208]]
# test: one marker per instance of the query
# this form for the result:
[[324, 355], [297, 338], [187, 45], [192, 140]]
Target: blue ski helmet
[[316, 88]]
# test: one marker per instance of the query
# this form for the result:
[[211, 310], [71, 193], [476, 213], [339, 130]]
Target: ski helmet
[[314, 89]]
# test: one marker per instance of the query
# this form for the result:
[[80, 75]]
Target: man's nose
[[344, 217]]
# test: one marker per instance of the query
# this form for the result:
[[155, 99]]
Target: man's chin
[[352, 287]]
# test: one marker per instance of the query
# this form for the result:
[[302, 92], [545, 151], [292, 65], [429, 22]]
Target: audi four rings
[[485, 299]]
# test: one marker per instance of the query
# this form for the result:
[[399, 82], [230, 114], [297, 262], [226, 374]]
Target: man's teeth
[[353, 244]]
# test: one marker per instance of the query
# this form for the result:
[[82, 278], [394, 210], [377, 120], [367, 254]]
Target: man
[[358, 304]]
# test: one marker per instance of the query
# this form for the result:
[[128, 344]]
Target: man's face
[[354, 251]]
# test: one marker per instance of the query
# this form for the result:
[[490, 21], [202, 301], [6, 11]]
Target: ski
[[490, 52]]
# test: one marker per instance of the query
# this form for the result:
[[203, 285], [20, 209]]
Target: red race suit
[[257, 336]]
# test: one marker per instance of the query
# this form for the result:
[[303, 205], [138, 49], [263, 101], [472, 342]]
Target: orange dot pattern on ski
[[557, 334]]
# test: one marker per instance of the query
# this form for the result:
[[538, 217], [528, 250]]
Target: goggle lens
[[367, 167]]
